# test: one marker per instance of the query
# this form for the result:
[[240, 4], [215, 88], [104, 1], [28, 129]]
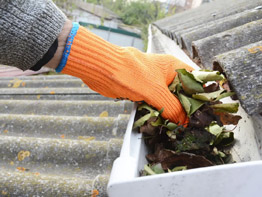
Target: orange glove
[[124, 72]]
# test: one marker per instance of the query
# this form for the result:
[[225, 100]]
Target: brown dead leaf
[[170, 159], [227, 118], [226, 86], [36, 173], [95, 193], [22, 169], [211, 88], [151, 158], [148, 128], [201, 118]]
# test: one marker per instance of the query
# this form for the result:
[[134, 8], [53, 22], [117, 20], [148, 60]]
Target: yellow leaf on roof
[[4, 192], [83, 85], [5, 131], [103, 114], [17, 83], [22, 155], [23, 84], [62, 136], [86, 138], [38, 96], [12, 163], [52, 92], [36, 173]]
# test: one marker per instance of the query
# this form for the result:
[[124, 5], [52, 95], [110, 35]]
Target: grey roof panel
[[219, 29], [243, 68], [85, 108], [205, 13], [71, 139], [73, 127], [205, 30], [32, 184], [206, 48], [39, 84]]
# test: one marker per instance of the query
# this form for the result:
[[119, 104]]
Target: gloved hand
[[123, 72]]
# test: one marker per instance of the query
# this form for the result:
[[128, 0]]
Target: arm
[[28, 28], [113, 71]]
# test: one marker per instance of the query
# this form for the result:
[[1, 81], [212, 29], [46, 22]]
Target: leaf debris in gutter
[[204, 141]]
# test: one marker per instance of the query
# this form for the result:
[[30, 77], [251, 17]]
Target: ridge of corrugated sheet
[[58, 137]]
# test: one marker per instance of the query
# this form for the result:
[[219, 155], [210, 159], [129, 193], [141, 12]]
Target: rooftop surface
[[58, 137], [225, 35]]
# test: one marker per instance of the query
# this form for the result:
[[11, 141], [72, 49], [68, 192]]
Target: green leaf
[[145, 106], [153, 113], [205, 76], [185, 102], [225, 139], [149, 170], [195, 105], [208, 96], [173, 85], [171, 134], [157, 122], [161, 111], [179, 168], [224, 95], [189, 84], [221, 154], [153, 169], [215, 129], [141, 121], [157, 168], [171, 126], [190, 105], [226, 107]]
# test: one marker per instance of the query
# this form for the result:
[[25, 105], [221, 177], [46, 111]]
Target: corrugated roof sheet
[[58, 137], [226, 34]]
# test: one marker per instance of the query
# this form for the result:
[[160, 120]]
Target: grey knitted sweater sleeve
[[28, 28]]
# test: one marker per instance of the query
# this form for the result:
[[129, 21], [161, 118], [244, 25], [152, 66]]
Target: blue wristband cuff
[[67, 49]]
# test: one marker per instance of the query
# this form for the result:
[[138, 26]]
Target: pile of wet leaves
[[204, 140]]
